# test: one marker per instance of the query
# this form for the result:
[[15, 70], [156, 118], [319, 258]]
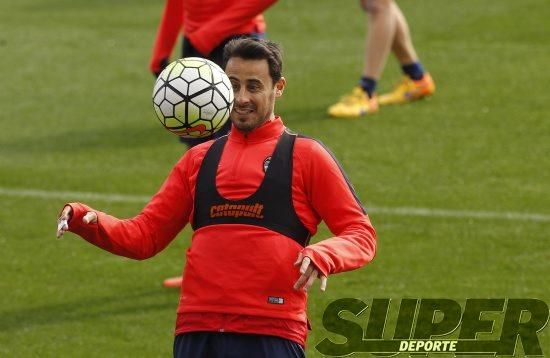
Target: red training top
[[231, 269], [206, 23]]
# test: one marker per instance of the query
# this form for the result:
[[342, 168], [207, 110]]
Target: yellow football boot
[[408, 90], [353, 105]]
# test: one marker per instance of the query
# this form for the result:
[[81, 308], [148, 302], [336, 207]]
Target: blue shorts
[[234, 345]]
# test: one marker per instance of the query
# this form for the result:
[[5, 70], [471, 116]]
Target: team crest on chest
[[266, 163]]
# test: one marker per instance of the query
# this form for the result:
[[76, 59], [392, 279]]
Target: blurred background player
[[207, 25], [388, 30]]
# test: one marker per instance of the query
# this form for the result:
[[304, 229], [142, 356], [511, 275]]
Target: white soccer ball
[[193, 97]]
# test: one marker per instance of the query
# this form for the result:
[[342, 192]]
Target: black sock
[[368, 84], [413, 70]]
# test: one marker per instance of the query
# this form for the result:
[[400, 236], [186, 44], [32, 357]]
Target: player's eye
[[254, 87]]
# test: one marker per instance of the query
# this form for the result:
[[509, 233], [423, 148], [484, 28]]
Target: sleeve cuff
[[75, 223], [317, 260]]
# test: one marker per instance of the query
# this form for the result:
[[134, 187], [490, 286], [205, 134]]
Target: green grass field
[[76, 115]]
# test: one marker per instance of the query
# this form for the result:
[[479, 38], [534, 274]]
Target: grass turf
[[76, 116]]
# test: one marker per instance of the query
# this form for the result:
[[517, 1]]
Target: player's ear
[[280, 87]]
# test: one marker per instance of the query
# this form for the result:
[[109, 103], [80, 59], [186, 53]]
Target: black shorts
[[234, 345], [216, 56]]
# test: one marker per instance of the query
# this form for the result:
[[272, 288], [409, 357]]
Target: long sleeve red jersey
[[206, 23], [232, 268]]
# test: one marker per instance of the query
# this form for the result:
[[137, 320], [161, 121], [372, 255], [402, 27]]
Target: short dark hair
[[256, 49]]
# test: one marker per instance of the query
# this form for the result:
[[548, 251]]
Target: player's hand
[[309, 274], [63, 221], [66, 214]]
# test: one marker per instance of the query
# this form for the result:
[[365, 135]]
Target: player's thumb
[[299, 259], [90, 218]]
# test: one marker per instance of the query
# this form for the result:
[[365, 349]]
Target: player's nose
[[242, 96]]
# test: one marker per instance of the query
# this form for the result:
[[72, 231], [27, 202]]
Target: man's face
[[254, 90]]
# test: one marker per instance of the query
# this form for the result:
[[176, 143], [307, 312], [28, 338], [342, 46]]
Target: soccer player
[[207, 26], [254, 198], [388, 30]]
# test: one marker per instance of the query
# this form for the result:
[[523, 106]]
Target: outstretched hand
[[66, 214], [309, 274]]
